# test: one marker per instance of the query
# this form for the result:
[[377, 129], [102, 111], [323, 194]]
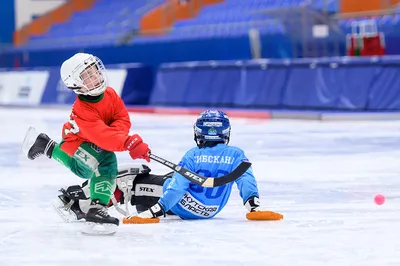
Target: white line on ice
[[7, 197]]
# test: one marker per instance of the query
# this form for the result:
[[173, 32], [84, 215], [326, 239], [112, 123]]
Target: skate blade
[[95, 229], [67, 216], [30, 138]]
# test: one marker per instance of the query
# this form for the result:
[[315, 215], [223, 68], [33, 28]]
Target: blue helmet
[[212, 127]]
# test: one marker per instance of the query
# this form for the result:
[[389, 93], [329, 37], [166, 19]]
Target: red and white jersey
[[104, 122]]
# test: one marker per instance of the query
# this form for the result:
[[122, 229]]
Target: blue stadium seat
[[229, 18], [237, 17], [92, 27]]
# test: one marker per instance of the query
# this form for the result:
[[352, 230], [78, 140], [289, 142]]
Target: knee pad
[[127, 175], [148, 190]]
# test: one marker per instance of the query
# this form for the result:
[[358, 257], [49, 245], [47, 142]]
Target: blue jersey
[[191, 201]]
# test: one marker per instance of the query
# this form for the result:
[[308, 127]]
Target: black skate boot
[[98, 214], [35, 144], [43, 145], [71, 197], [67, 204], [98, 221]]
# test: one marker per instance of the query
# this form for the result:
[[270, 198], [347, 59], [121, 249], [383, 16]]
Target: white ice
[[322, 176]]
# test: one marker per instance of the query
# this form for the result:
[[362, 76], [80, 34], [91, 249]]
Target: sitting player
[[154, 195], [99, 125]]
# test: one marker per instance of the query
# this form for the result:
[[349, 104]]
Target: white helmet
[[84, 74]]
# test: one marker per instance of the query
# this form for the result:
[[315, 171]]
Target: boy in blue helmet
[[154, 196]]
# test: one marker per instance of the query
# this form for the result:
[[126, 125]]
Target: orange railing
[[43, 23], [353, 6], [159, 20]]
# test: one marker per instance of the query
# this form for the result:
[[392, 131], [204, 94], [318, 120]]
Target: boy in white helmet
[[99, 126]]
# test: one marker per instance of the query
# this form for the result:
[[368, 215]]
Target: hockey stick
[[205, 181], [118, 208]]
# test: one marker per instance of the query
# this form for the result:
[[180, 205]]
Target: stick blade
[[139, 220], [232, 176], [264, 216]]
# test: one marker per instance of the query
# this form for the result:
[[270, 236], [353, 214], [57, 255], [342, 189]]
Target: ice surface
[[321, 176]]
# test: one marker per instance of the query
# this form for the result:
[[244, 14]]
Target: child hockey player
[[98, 126], [154, 195]]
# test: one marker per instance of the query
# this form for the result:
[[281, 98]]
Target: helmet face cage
[[90, 77], [212, 127]]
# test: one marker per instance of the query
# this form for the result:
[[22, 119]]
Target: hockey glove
[[137, 148], [149, 216], [256, 214]]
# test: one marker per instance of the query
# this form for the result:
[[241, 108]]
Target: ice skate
[[98, 221], [67, 204], [35, 144]]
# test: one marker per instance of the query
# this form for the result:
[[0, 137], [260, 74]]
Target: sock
[[59, 155]]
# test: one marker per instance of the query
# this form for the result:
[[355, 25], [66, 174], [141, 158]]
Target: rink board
[[254, 87]]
